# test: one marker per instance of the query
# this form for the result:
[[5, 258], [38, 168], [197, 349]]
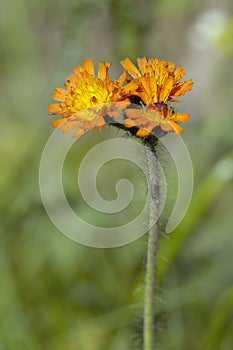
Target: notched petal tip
[[89, 66], [181, 117], [103, 70], [130, 67], [54, 107], [59, 94]]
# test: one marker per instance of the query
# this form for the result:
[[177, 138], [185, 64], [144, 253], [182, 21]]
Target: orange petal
[[122, 104], [76, 73], [179, 73], [170, 66], [129, 123], [153, 89], [78, 69], [58, 122], [142, 62], [114, 114], [180, 117], [130, 88], [166, 89], [83, 128], [173, 100], [103, 70], [135, 113], [145, 93], [122, 79], [166, 126], [59, 94], [130, 68], [89, 66], [152, 125], [144, 81], [181, 88], [53, 107], [72, 77], [69, 125], [176, 128], [91, 124]]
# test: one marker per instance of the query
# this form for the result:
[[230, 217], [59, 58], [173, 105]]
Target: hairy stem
[[150, 279]]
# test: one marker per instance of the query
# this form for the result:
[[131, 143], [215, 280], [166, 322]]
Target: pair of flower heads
[[145, 95]]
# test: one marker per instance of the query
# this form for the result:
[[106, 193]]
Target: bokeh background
[[58, 295]]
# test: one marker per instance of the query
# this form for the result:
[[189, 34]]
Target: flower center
[[87, 92]]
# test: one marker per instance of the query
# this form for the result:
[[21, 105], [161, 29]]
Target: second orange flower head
[[156, 83]]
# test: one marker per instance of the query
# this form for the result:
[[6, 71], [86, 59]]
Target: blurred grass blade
[[219, 318]]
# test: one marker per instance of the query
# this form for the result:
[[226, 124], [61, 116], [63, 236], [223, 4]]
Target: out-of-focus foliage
[[56, 294]]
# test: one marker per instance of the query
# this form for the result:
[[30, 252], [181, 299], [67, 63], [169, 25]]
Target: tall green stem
[[150, 279]]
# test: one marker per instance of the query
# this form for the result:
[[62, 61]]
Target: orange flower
[[87, 98], [154, 115], [156, 83], [155, 80]]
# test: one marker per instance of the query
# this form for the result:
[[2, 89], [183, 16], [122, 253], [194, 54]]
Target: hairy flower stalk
[[150, 278], [146, 95]]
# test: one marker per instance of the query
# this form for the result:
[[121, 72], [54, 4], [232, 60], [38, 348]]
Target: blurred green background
[[58, 295]]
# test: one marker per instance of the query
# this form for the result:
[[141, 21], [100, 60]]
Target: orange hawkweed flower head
[[84, 90], [155, 80], [155, 83]]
